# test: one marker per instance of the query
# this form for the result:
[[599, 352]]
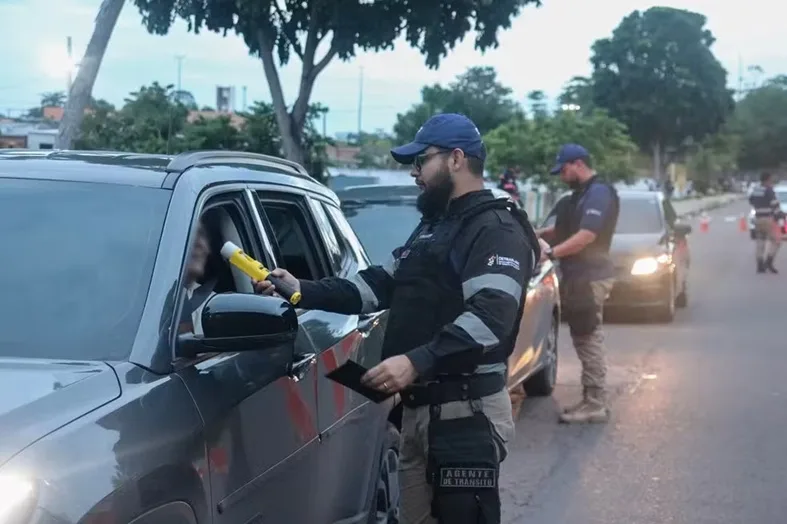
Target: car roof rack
[[189, 159]]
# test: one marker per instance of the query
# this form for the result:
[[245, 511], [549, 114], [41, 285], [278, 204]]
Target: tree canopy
[[277, 30], [476, 93], [658, 75], [531, 144], [760, 121], [154, 119]]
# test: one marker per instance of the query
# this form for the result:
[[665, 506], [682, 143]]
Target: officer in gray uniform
[[767, 211]]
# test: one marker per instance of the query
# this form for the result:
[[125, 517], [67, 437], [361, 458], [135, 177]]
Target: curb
[[710, 206]]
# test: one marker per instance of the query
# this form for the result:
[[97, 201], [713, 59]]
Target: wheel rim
[[551, 354], [388, 489]]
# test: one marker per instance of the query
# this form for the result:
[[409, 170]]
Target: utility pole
[[360, 105], [179, 59], [70, 54]]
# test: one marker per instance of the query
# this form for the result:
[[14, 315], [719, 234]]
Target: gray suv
[[141, 381]]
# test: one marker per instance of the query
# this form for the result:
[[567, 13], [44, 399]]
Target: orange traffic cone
[[743, 225], [704, 223]]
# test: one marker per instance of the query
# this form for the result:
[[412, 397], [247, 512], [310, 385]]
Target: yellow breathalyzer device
[[235, 256]]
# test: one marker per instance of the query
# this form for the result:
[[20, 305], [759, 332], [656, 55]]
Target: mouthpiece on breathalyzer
[[235, 256]]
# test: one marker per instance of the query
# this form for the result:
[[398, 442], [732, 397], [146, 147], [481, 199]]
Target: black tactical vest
[[762, 201], [567, 222], [428, 292]]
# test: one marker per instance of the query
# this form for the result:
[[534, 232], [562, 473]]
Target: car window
[[332, 245], [224, 218], [639, 216], [345, 260], [382, 227], [346, 234], [76, 267], [782, 197], [293, 234]]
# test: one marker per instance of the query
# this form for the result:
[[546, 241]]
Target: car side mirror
[[682, 229], [235, 322]]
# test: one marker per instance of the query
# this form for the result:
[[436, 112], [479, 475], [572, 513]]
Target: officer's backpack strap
[[519, 214]]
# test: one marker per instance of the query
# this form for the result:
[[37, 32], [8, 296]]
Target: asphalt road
[[699, 412]]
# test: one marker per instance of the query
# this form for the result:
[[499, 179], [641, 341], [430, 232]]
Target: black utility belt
[[453, 389]]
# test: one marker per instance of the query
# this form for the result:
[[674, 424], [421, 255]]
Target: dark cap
[[446, 131], [567, 154]]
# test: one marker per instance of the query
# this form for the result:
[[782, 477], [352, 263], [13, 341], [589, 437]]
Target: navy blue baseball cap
[[446, 131], [569, 153]]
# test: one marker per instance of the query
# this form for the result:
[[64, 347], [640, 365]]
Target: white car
[[781, 195]]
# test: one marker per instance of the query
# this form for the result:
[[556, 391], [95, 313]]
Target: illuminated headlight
[[649, 265], [15, 495]]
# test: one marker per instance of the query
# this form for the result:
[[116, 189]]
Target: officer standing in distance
[[456, 292], [767, 211], [580, 239]]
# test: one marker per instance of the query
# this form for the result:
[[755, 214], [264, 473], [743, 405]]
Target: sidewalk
[[692, 206]]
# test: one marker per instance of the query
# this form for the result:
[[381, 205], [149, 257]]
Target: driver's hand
[[263, 287]]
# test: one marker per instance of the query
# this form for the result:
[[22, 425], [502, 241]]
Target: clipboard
[[349, 375]]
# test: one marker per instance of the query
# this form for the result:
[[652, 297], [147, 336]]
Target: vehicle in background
[[650, 252], [384, 216], [781, 195], [116, 407]]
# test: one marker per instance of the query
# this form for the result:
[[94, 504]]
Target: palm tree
[[80, 94]]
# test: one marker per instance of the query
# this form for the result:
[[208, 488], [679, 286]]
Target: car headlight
[[649, 265], [16, 495]]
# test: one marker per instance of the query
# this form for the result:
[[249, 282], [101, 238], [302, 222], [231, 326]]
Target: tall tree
[[532, 144], [578, 91], [537, 100], [476, 93], [275, 30], [760, 121], [658, 75], [82, 89]]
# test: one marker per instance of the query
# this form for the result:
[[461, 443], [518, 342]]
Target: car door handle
[[301, 366]]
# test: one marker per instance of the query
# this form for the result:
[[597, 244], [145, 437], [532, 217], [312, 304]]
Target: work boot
[[769, 266], [579, 404], [592, 410], [760, 265]]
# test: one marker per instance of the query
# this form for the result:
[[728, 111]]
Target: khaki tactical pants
[[767, 239], [416, 493], [590, 348]]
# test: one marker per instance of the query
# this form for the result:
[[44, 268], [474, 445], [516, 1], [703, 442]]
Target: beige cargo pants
[[590, 348], [767, 239], [416, 493]]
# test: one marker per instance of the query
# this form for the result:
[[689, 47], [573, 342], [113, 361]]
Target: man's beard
[[433, 200]]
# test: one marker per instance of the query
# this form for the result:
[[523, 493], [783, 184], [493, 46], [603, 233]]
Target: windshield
[[76, 266], [382, 227], [639, 216]]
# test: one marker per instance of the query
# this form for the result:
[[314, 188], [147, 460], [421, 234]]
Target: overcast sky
[[545, 47]]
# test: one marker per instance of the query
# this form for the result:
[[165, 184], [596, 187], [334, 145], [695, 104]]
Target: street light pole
[[180, 59], [70, 54]]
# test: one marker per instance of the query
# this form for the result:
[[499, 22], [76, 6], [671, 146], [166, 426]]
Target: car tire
[[388, 496], [542, 384], [682, 300], [666, 312]]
